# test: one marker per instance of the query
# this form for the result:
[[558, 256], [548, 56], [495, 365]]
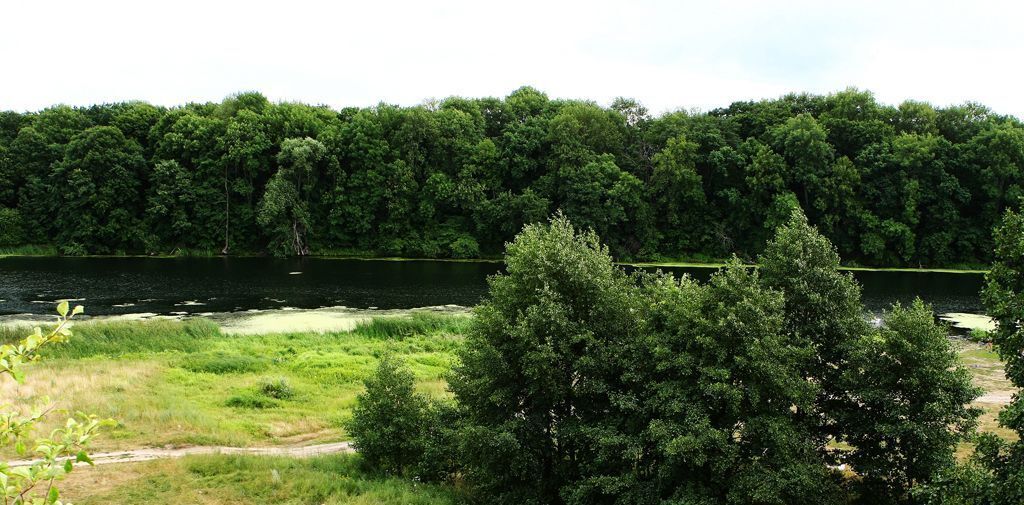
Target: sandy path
[[137, 455]]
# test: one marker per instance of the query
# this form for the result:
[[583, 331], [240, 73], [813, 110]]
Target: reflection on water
[[200, 285]]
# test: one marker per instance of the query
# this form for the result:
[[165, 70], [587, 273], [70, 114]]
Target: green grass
[[28, 250], [329, 480], [418, 323], [126, 338], [185, 383]]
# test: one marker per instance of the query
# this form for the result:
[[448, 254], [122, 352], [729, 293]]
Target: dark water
[[195, 285]]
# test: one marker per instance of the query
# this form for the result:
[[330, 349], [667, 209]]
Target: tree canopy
[[888, 185]]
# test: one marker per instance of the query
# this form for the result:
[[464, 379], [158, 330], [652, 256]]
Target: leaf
[[77, 310], [62, 308], [83, 457], [53, 495], [68, 465]]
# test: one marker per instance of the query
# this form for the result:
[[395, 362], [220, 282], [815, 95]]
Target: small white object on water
[[294, 273]]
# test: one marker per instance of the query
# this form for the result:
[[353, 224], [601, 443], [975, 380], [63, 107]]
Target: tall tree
[[1004, 300], [284, 210], [822, 314], [535, 372], [99, 200]]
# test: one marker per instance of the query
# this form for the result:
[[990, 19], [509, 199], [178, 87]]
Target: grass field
[[328, 480], [170, 383]]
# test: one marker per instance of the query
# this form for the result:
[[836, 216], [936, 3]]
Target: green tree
[[99, 200], [1004, 301], [284, 210], [703, 413], [11, 229], [677, 195], [912, 397], [388, 419], [539, 360], [171, 204], [822, 313]]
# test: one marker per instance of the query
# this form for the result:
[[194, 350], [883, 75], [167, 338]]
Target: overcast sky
[[668, 55]]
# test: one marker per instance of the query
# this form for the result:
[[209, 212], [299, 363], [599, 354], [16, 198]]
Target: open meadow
[[176, 384]]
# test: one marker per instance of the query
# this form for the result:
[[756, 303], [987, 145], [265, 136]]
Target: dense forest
[[908, 185]]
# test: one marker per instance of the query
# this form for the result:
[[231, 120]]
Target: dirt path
[[137, 455]]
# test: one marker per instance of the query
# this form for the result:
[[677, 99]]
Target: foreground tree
[[1004, 300], [388, 419], [823, 313], [56, 455], [535, 373], [912, 398], [705, 413]]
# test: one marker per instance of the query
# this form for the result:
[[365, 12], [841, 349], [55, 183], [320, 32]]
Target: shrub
[[980, 335], [251, 400], [464, 247], [388, 421], [220, 362], [276, 388], [11, 231]]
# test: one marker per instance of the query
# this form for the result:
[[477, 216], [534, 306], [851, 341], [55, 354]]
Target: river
[[31, 285]]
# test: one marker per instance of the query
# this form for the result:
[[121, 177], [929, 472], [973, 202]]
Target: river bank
[[51, 252]]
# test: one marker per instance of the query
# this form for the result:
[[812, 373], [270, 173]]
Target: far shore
[[718, 263]]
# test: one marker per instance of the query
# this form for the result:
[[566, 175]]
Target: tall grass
[[116, 338], [335, 479], [28, 250], [418, 323]]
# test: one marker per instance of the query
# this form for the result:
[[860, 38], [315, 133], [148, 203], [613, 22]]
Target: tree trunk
[[227, 213]]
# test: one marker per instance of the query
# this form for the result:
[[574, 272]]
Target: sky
[[668, 55]]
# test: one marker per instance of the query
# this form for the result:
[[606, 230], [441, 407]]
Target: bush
[[276, 388], [223, 363], [387, 423], [11, 231], [980, 335], [465, 247], [251, 400]]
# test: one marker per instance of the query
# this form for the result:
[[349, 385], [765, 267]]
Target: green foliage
[[980, 335], [534, 372], [11, 231], [223, 362], [909, 185], [276, 388], [1004, 300], [823, 314], [960, 484], [911, 395], [465, 247], [579, 384], [117, 339], [418, 323], [388, 420], [55, 456]]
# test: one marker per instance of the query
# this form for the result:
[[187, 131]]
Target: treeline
[[581, 384], [907, 185]]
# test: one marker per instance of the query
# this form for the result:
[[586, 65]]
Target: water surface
[[198, 285]]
